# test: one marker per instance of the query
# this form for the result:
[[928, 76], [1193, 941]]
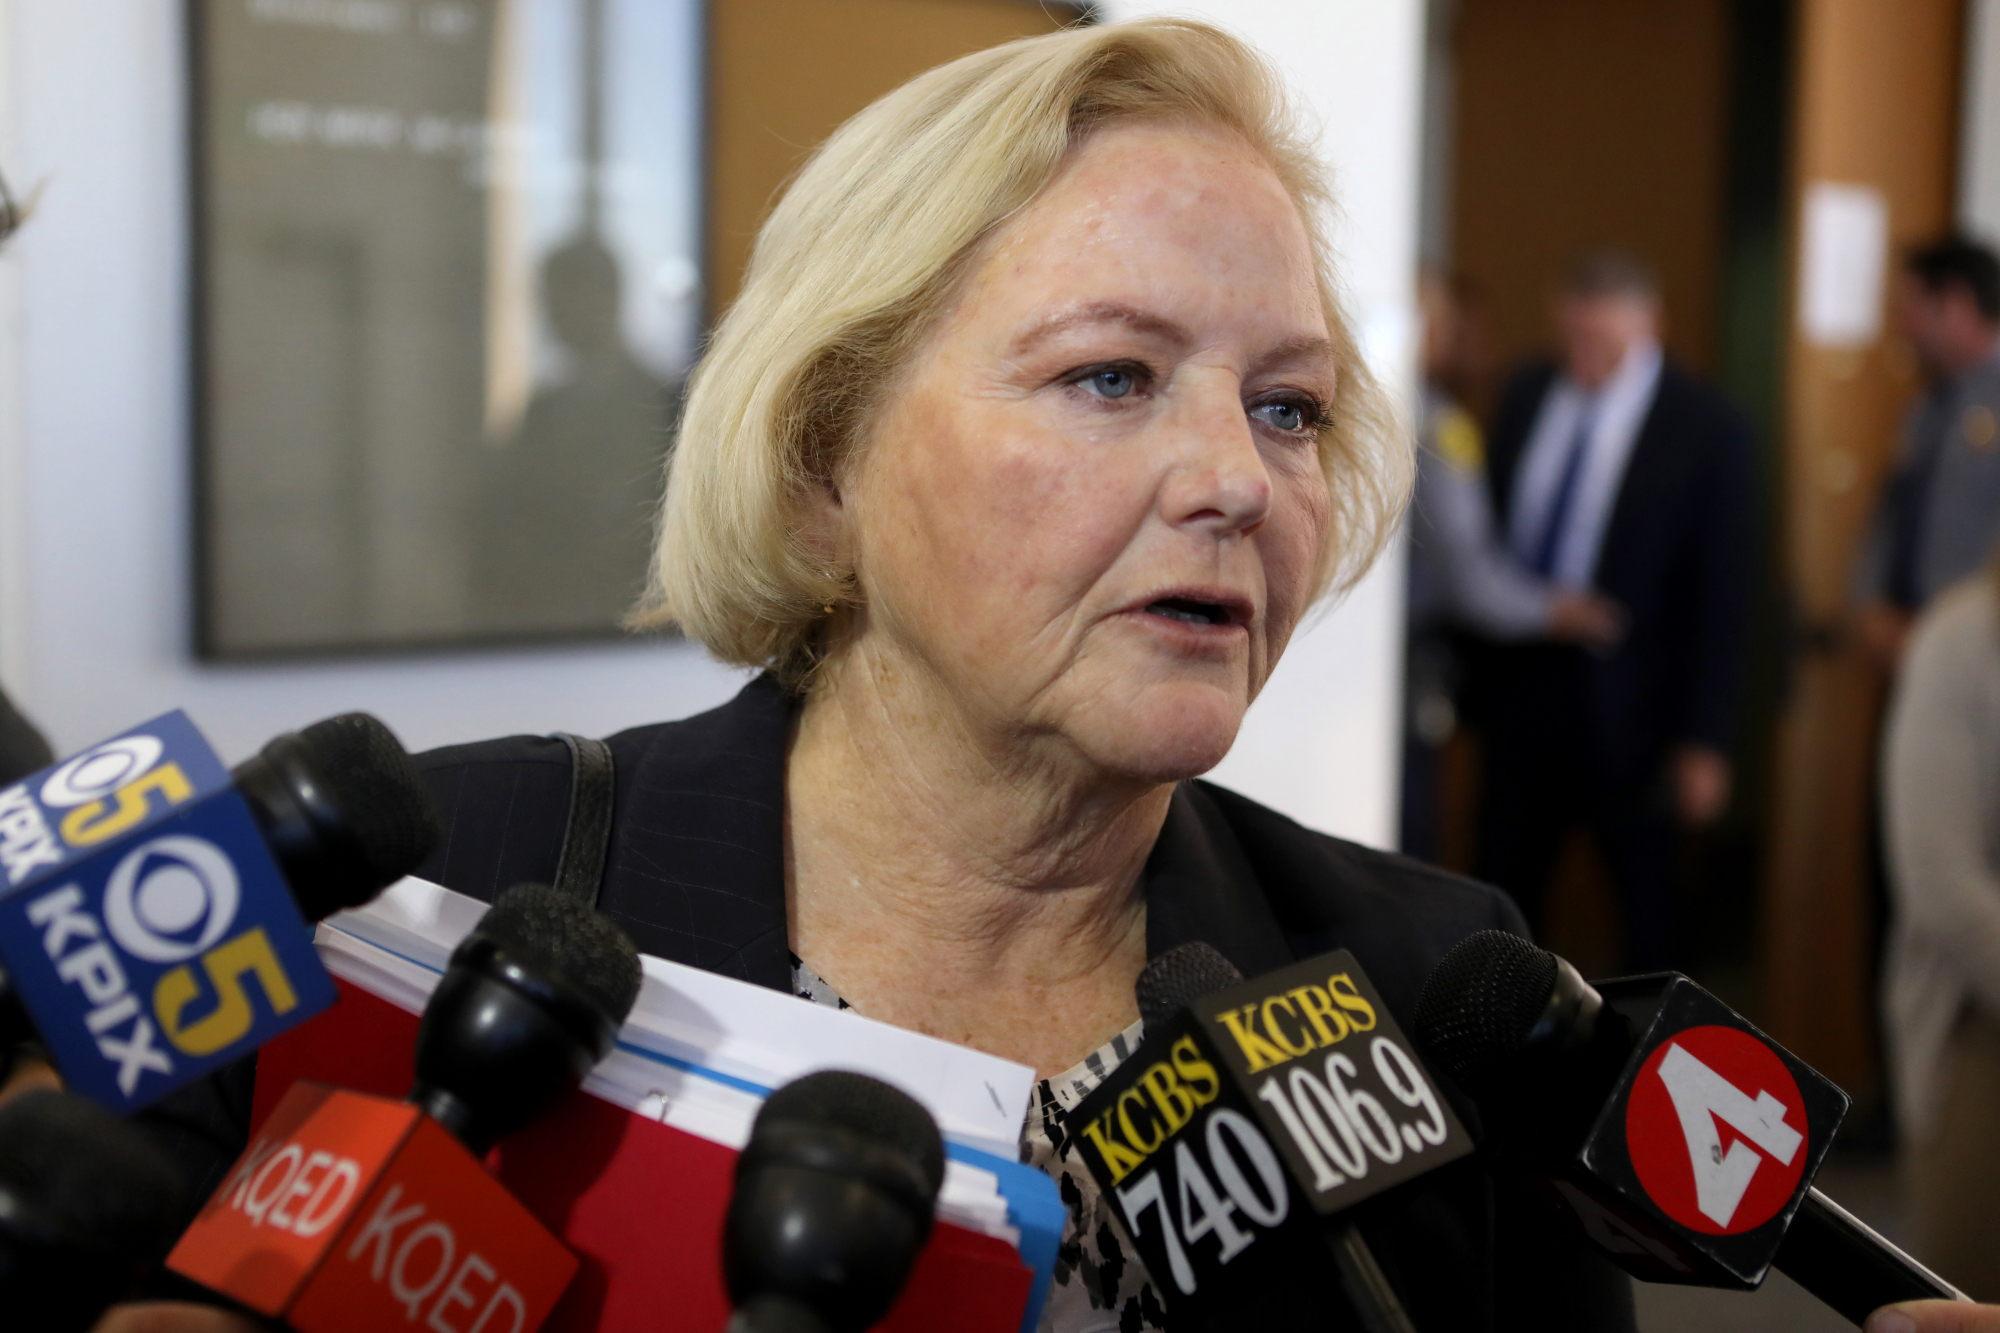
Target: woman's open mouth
[[1191, 608], [1190, 611]]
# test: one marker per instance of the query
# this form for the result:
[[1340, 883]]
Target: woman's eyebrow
[[1308, 347], [1103, 312]]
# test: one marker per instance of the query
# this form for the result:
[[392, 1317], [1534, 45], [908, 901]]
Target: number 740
[[1202, 1210]]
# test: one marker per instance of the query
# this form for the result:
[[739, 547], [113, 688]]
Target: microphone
[[1680, 1138], [351, 1211], [1255, 1114], [88, 1206], [834, 1198], [529, 1004], [342, 809], [153, 927]]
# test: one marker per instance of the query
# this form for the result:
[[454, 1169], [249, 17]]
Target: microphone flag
[[1250, 1116], [1707, 1145], [354, 1211], [144, 923]]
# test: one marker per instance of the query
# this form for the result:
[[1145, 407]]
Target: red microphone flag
[[352, 1211]]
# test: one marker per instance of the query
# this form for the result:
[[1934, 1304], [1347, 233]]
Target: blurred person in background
[[1462, 576], [1617, 473], [1938, 514], [1941, 1001]]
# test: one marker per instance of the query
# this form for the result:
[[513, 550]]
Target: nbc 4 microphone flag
[[143, 921]]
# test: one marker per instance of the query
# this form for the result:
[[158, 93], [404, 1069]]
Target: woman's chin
[[1167, 734]]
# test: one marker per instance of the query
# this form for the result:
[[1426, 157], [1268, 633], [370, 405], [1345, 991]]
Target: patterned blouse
[[1100, 1286]]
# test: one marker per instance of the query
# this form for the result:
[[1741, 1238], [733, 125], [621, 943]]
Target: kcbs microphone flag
[[635, 1171], [1248, 1119], [144, 922]]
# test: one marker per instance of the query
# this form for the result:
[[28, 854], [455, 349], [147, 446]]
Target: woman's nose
[[1217, 479]]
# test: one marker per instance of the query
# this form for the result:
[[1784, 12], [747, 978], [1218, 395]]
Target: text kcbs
[[1189, 1172]]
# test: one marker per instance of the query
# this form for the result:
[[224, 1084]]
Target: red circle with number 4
[[1717, 1130]]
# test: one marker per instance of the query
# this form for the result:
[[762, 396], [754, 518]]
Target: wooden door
[[1875, 104], [783, 74]]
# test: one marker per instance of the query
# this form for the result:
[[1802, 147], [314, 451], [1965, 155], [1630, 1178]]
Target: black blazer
[[696, 875], [1679, 554]]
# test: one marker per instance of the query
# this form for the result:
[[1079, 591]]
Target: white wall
[[94, 446], [1322, 744], [1979, 140]]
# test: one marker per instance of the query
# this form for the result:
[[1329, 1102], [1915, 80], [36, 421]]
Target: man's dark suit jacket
[[696, 875], [1679, 555]]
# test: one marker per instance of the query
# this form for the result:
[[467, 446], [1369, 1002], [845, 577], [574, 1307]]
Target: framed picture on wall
[[448, 281]]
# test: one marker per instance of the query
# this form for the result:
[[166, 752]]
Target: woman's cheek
[[1304, 532]]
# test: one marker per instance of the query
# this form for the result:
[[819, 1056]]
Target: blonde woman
[[1037, 428]]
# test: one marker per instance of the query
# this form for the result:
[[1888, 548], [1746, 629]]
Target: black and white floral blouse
[[1100, 1286]]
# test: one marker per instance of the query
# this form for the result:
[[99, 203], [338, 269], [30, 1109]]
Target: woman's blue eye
[[1292, 418], [1110, 382]]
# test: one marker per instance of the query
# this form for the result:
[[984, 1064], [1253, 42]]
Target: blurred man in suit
[[1614, 471], [1463, 577], [1938, 516]]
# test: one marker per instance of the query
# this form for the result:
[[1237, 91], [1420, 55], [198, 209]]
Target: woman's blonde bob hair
[[863, 252]]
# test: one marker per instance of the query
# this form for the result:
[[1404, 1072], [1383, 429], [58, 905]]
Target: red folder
[[639, 1202]]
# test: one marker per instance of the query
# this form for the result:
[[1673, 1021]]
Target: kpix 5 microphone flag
[[145, 923], [1683, 1140], [1247, 1118]]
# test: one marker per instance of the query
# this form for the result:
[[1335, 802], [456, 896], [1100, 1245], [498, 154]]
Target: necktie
[[1549, 545]]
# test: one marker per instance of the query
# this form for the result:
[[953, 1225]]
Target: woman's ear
[[824, 528]]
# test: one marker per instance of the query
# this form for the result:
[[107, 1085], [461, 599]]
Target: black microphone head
[[834, 1197], [569, 941], [1483, 1000], [863, 1106], [374, 782], [343, 808], [531, 1000], [87, 1204], [1179, 977]]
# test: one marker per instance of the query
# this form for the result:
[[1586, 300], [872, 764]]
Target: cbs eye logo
[[100, 771], [170, 900], [110, 789]]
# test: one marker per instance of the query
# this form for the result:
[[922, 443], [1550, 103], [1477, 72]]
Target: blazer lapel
[[1200, 886]]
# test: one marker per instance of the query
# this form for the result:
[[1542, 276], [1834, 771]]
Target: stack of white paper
[[700, 1052]]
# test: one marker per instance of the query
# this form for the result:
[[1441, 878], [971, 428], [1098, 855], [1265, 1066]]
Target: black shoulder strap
[[587, 835]]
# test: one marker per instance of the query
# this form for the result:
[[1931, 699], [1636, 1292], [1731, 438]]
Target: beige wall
[[1582, 123], [784, 73]]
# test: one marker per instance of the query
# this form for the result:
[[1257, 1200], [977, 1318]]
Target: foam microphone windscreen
[[865, 1107], [378, 787], [531, 1000], [1482, 1002], [833, 1202], [1179, 977], [570, 942], [342, 808], [87, 1204]]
